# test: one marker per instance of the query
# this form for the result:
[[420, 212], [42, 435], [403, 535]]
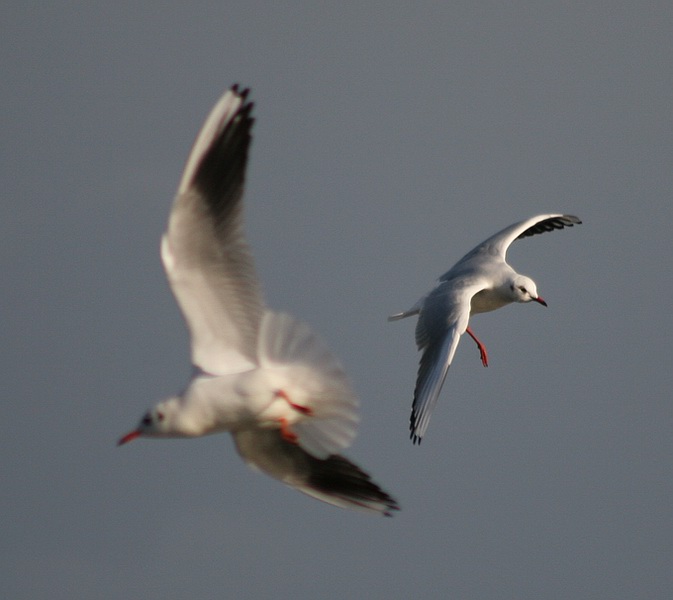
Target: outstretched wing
[[206, 258], [498, 244], [334, 480], [442, 319]]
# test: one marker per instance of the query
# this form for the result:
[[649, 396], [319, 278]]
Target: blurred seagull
[[260, 375], [479, 282]]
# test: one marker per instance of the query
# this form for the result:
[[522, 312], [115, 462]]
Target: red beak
[[129, 437], [540, 300]]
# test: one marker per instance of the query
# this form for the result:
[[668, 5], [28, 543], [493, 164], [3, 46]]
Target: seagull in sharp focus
[[263, 376], [479, 282]]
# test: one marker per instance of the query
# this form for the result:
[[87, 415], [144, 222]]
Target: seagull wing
[[206, 258], [498, 244], [442, 319], [334, 479]]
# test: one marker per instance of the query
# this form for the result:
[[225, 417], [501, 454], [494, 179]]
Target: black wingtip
[[248, 105], [243, 93], [220, 174], [339, 477], [414, 437], [550, 225]]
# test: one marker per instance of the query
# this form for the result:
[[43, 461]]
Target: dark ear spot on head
[[147, 419], [160, 416]]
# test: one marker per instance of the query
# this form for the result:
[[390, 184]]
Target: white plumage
[[262, 376], [479, 282]]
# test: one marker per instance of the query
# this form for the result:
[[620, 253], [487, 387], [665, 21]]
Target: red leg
[[482, 348], [304, 410], [286, 432]]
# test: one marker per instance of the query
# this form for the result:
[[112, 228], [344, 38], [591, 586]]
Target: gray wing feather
[[432, 371], [334, 480], [207, 260], [443, 318]]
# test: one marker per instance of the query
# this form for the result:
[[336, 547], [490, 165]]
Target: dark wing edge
[[207, 260], [443, 318], [220, 174], [334, 480], [339, 478], [550, 224], [432, 370]]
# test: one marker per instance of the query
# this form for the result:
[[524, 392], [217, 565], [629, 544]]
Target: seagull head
[[156, 422], [523, 289]]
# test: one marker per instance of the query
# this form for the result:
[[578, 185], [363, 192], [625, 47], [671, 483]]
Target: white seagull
[[479, 282], [260, 375]]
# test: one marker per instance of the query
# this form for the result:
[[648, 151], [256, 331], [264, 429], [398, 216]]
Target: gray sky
[[389, 140]]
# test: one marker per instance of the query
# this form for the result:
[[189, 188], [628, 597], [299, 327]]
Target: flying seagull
[[479, 282], [263, 376]]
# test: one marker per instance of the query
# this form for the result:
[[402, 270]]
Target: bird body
[[481, 281], [263, 376]]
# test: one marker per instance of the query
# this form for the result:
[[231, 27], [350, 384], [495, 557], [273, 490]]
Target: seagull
[[262, 376], [479, 282]]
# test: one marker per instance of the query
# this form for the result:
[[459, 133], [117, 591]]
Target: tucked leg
[[286, 432], [304, 410], [482, 348]]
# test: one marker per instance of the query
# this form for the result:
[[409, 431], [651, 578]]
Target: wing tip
[[339, 481], [232, 104], [416, 430], [550, 223]]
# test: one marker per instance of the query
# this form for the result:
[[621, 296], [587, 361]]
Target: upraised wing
[[498, 244], [206, 258]]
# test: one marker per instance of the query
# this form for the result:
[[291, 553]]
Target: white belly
[[487, 300]]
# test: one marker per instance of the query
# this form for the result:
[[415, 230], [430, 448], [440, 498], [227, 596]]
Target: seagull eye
[[523, 289], [160, 416], [147, 420]]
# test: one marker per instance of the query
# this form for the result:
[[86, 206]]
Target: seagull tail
[[403, 315], [313, 378]]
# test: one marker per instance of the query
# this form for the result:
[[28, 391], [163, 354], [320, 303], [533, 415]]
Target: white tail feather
[[315, 380], [414, 310]]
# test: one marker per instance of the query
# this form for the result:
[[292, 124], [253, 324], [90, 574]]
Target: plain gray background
[[390, 139]]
